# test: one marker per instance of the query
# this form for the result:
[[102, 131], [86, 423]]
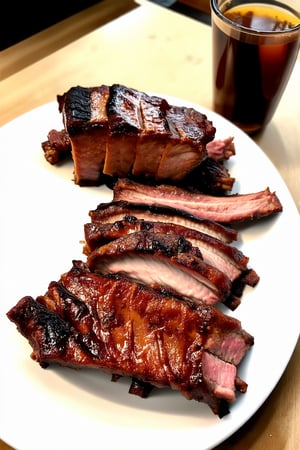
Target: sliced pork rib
[[223, 209], [224, 257], [116, 210], [164, 262], [88, 320]]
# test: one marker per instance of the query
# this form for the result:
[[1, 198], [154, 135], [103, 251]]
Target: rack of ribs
[[128, 329], [120, 131]]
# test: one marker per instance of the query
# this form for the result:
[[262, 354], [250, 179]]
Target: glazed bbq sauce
[[246, 88]]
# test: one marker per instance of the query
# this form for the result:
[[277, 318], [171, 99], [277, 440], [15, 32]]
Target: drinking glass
[[255, 47]]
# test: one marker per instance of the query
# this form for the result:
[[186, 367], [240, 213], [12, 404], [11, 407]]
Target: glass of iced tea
[[255, 47]]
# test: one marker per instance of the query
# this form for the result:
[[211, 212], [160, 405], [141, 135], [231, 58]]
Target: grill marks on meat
[[108, 322], [119, 131], [223, 209], [154, 136], [114, 131], [124, 126]]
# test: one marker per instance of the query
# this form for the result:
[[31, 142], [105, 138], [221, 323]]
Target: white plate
[[42, 218]]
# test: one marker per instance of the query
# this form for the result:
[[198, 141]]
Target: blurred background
[[30, 17]]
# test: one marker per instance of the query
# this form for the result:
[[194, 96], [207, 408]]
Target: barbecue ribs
[[111, 323]]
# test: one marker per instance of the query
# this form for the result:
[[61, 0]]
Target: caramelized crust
[[88, 320], [118, 131]]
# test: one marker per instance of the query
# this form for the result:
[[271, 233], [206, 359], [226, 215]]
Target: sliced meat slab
[[164, 262], [223, 209], [116, 210]]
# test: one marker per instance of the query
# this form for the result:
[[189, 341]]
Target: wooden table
[[153, 49]]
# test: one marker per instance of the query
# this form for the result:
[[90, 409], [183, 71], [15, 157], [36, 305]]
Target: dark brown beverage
[[253, 59]]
